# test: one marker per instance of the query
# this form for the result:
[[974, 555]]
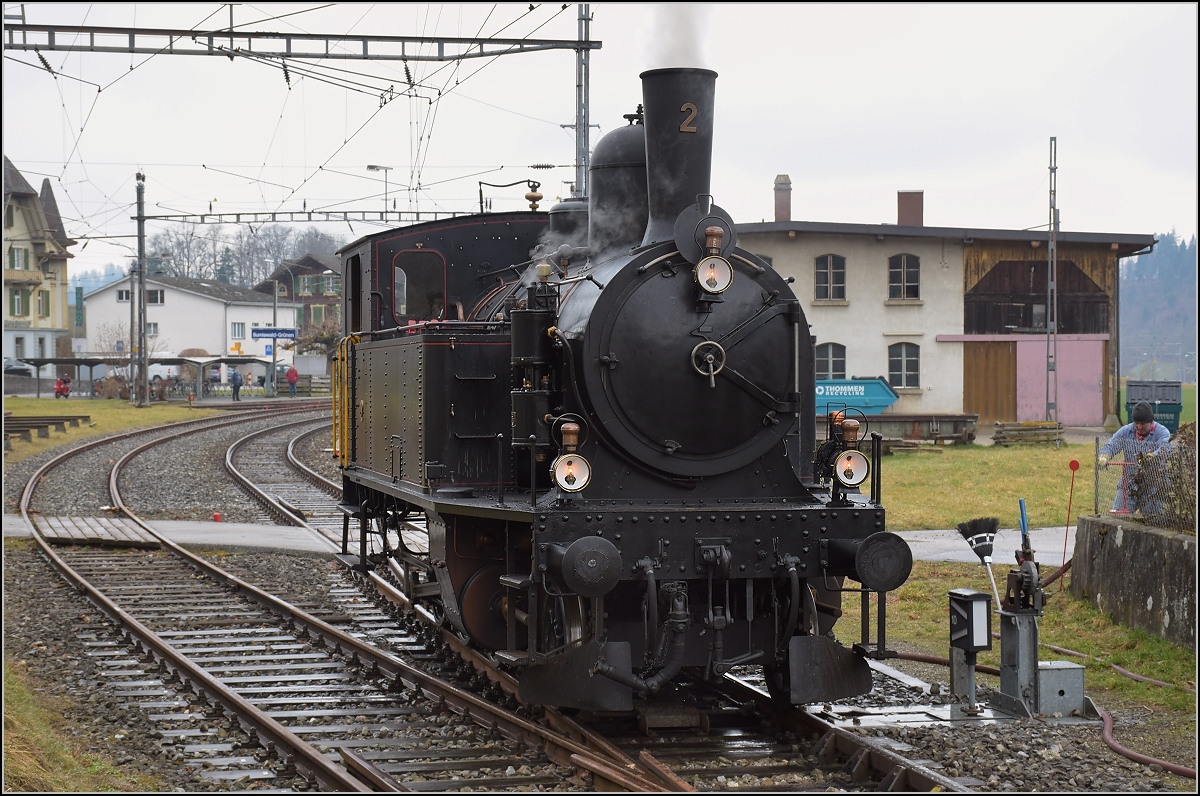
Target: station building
[[955, 319]]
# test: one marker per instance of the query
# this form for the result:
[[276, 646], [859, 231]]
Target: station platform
[[218, 535]]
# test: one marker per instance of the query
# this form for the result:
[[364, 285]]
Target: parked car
[[155, 371], [15, 367]]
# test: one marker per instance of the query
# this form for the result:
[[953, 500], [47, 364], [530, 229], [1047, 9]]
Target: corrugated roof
[[211, 288], [1127, 243]]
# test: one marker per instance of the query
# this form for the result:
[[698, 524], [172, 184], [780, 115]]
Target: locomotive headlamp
[[571, 472], [851, 468], [714, 274], [850, 432]]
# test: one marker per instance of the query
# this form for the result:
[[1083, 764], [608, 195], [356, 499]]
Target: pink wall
[[1080, 381]]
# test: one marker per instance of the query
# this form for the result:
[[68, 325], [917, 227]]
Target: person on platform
[[235, 383], [292, 377]]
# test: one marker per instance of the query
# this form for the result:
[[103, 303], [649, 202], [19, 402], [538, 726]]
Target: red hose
[[1190, 773]]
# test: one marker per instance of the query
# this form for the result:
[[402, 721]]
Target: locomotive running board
[[824, 671], [566, 680]]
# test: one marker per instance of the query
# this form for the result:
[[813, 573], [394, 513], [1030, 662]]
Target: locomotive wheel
[[563, 621], [482, 604]]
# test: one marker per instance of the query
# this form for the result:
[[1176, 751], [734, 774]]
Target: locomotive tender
[[604, 415]]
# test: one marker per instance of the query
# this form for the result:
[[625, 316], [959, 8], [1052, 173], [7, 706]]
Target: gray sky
[[853, 101]]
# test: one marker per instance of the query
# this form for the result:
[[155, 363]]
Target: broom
[[980, 533]]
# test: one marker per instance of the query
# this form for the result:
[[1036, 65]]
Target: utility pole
[[1052, 294], [143, 381], [271, 388], [582, 88]]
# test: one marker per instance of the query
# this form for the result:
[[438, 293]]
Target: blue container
[[869, 396]]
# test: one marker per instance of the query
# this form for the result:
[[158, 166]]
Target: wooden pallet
[[105, 531], [1034, 432]]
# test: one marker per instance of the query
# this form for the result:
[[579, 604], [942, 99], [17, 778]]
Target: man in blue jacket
[[1144, 445], [235, 382]]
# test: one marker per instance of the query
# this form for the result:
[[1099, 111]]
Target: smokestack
[[678, 105], [783, 198], [910, 208]]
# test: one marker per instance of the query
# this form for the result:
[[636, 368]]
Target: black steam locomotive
[[604, 416]]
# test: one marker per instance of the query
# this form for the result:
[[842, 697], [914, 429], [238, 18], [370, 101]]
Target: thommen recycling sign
[[870, 396]]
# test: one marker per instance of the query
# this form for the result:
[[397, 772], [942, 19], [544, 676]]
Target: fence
[[1155, 486]]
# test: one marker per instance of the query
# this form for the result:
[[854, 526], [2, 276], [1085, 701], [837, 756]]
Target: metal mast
[[143, 385], [582, 58], [1052, 294]]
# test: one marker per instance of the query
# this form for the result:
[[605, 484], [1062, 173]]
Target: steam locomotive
[[604, 417]]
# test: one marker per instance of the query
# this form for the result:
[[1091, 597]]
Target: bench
[[23, 426]]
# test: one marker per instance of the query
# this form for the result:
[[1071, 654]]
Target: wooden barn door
[[990, 382]]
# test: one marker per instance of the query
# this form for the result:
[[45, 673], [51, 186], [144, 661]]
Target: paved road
[[926, 545]]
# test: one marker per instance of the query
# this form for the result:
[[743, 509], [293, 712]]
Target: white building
[[955, 319], [184, 314]]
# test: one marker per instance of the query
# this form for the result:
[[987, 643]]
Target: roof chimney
[[783, 198], [910, 208]]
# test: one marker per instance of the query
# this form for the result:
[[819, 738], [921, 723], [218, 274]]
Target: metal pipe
[[678, 620], [500, 469]]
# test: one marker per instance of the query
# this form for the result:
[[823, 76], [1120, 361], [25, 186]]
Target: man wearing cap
[[1140, 443]]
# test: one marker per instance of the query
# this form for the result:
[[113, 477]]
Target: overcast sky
[[854, 102]]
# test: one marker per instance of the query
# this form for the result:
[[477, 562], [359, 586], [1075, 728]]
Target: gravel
[[43, 617]]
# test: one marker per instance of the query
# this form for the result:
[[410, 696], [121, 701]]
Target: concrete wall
[[1143, 577]]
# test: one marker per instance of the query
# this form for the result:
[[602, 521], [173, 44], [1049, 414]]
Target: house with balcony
[[35, 270], [313, 284]]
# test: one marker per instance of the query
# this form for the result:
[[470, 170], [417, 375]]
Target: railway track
[[251, 689], [202, 647]]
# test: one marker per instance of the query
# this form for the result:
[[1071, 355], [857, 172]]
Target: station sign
[[273, 334]]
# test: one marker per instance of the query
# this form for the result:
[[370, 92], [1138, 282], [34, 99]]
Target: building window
[[831, 277], [237, 331], [904, 365], [19, 347], [122, 295], [41, 346], [309, 284], [904, 276], [18, 259], [280, 288], [831, 361], [43, 303], [154, 297], [399, 291], [18, 302], [318, 314], [333, 285], [151, 329]]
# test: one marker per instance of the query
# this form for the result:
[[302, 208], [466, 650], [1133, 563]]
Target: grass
[[40, 754], [917, 614], [931, 492], [108, 417]]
